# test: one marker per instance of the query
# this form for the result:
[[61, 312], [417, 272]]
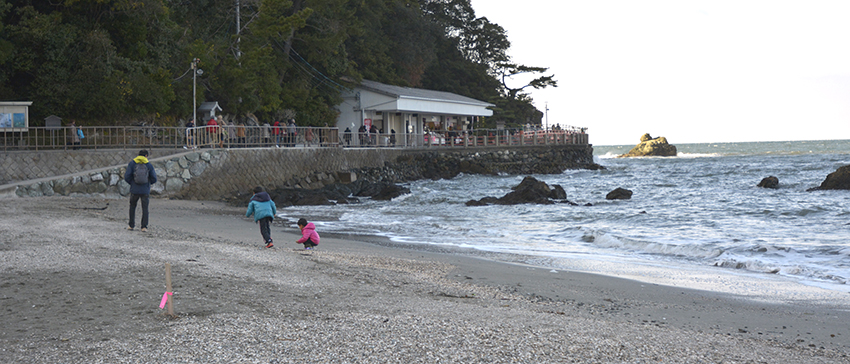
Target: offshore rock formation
[[619, 194], [838, 180], [651, 147], [530, 190], [769, 182]]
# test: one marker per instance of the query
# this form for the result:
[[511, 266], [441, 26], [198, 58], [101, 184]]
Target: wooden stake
[[168, 288]]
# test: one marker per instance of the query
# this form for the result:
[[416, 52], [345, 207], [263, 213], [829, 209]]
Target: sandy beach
[[77, 287]]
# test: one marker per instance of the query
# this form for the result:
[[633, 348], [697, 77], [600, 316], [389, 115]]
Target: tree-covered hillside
[[129, 61]]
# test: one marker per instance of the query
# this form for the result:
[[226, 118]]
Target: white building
[[406, 110]]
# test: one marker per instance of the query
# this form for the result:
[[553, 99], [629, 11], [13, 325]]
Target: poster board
[[14, 116]]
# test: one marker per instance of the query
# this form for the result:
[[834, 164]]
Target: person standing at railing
[[221, 132], [81, 136], [292, 133], [276, 133], [212, 130], [266, 131], [190, 134], [240, 134], [361, 133], [74, 135], [323, 136], [230, 131], [373, 135], [346, 136], [308, 137]]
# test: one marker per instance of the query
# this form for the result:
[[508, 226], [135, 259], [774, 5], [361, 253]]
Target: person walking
[[140, 174], [263, 208]]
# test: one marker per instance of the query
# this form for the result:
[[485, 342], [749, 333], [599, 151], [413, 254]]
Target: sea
[[697, 220]]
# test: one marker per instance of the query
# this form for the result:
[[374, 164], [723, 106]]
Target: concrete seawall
[[219, 173]]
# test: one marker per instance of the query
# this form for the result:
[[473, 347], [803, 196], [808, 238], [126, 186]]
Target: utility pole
[[238, 30], [195, 72], [547, 115]]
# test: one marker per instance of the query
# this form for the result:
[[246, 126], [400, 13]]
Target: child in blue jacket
[[263, 209]]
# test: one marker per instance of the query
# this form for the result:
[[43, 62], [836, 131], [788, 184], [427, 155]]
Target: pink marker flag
[[164, 299]]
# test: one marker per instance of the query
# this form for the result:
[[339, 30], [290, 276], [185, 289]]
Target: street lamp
[[195, 72]]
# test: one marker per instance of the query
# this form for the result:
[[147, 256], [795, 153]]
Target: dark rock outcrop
[[345, 186], [383, 191], [769, 182], [448, 164], [652, 147], [337, 193], [619, 194], [838, 180], [530, 190]]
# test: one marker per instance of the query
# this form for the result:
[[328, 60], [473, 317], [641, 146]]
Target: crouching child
[[309, 236]]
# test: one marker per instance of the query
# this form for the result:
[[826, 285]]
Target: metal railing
[[237, 136]]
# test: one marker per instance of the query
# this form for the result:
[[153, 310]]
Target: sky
[[691, 71]]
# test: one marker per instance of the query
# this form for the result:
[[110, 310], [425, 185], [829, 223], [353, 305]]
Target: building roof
[[213, 105], [420, 94]]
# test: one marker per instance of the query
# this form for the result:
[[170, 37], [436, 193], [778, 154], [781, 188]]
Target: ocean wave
[[608, 155], [798, 271], [698, 155], [687, 251], [699, 209]]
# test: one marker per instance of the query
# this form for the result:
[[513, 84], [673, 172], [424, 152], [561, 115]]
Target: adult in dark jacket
[[361, 134], [139, 191]]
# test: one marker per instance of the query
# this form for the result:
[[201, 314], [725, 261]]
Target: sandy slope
[[75, 286]]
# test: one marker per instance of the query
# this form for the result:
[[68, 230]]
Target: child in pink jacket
[[309, 236]]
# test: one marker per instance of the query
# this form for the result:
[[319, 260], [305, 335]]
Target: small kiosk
[[206, 112], [14, 116], [14, 121]]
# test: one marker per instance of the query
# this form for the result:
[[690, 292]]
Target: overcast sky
[[691, 71]]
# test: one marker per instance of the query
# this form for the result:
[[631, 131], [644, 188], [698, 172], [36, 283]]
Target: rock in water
[[619, 194], [838, 180], [530, 190], [649, 146], [769, 182]]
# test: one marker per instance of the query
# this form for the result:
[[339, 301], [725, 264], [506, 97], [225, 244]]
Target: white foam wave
[[793, 270], [608, 155], [698, 155], [688, 251]]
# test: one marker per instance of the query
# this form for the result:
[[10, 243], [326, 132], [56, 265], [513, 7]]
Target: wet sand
[[78, 287]]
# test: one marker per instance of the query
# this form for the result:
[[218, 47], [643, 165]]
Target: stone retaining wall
[[18, 166], [221, 173]]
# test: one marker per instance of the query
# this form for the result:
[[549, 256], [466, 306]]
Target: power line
[[325, 78]]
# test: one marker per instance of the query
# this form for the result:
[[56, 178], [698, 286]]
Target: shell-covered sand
[[77, 287]]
